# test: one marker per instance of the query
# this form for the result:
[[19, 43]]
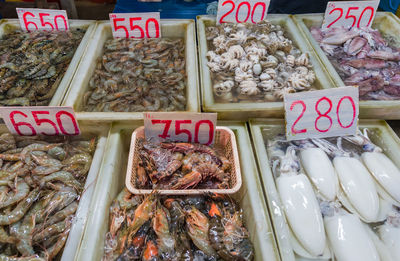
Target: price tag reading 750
[[136, 25], [350, 14], [180, 126], [239, 11], [318, 114], [32, 19], [40, 120]]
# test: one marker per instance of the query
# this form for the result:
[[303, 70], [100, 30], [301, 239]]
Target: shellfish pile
[[40, 186], [181, 166], [363, 57], [139, 75], [176, 228], [255, 62], [32, 65], [347, 184]]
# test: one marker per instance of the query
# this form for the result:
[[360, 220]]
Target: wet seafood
[[139, 75], [181, 166], [363, 57], [208, 227], [33, 64], [255, 62], [37, 209]]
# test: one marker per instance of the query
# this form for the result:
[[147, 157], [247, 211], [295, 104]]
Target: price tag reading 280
[[136, 25], [350, 14], [32, 19], [40, 120], [318, 114], [239, 11], [180, 126]]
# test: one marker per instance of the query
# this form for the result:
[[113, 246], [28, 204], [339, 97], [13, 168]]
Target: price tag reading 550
[[136, 25], [180, 126], [318, 114], [40, 120], [239, 11], [32, 19]]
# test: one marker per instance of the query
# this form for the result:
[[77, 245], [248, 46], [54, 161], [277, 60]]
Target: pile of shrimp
[[40, 185], [204, 227]]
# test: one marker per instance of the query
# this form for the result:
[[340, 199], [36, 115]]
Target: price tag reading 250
[[318, 114], [136, 25], [32, 19], [239, 11], [350, 14], [40, 120], [180, 126]]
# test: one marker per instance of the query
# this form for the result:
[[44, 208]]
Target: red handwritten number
[[136, 27], [19, 124], [362, 13], [323, 115], [262, 13], [229, 12], [341, 14], [167, 123], [156, 26], [41, 17], [352, 16], [298, 118], [354, 111], [60, 124], [248, 12], [178, 129], [117, 27], [60, 17], [26, 21], [210, 132], [40, 121]]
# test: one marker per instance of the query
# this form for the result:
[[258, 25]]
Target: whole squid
[[389, 233]]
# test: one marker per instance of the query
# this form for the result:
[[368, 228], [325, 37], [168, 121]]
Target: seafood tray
[[248, 109], [88, 130], [388, 24], [266, 131], [224, 140], [10, 25], [85, 71], [111, 181]]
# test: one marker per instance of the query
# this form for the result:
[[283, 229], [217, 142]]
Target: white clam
[[349, 239]]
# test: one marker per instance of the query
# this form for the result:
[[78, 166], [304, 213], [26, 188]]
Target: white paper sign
[[40, 120], [136, 25], [318, 114], [350, 14], [239, 11], [180, 126], [32, 19]]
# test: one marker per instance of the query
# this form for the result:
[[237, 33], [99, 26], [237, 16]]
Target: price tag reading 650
[[40, 120], [180, 126], [318, 114], [32, 19]]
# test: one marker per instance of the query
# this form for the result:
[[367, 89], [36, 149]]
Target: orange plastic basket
[[224, 141]]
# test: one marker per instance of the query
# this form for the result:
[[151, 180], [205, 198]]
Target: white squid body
[[359, 187], [319, 168], [302, 211], [390, 236], [348, 238], [384, 171]]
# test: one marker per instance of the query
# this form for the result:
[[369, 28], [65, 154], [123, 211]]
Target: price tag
[[180, 126], [350, 14], [239, 11], [32, 19], [136, 25], [318, 114], [40, 120]]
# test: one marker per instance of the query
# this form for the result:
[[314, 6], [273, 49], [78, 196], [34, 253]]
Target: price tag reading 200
[[318, 114], [350, 14], [136, 25], [239, 11], [40, 120], [180, 126], [32, 19]]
